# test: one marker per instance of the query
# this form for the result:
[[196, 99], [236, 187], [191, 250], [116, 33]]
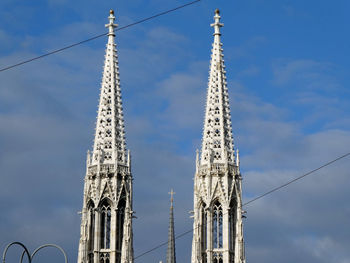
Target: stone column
[[113, 235], [210, 235], [97, 236], [225, 233]]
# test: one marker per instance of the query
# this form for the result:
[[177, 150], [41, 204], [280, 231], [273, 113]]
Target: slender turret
[[106, 224], [171, 255], [217, 226]]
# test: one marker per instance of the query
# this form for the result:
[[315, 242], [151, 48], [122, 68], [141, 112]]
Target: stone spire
[[109, 145], [217, 213], [106, 233], [217, 140], [171, 255]]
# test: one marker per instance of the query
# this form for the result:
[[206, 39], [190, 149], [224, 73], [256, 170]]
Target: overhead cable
[[97, 36]]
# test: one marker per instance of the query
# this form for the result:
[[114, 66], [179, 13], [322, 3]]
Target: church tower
[[217, 227], [106, 223]]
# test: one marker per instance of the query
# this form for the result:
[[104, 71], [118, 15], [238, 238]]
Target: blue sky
[[288, 68]]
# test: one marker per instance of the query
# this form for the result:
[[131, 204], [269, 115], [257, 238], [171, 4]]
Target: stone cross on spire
[[217, 23], [111, 26]]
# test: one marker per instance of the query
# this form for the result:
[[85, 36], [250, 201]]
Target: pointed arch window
[[203, 233], [104, 258], [217, 225], [217, 257], [120, 225], [232, 225], [91, 231], [105, 229]]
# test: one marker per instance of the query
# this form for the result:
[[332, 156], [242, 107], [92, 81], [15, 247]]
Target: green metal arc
[[43, 246], [20, 244]]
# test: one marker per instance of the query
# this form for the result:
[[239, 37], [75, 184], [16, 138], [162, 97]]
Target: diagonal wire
[[97, 36], [295, 179], [253, 200]]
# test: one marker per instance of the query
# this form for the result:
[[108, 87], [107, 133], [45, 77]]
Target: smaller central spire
[[171, 255], [172, 198], [111, 26], [217, 23]]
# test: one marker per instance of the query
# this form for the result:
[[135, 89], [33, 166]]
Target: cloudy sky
[[288, 74]]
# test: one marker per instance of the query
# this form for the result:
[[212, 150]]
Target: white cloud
[[300, 69]]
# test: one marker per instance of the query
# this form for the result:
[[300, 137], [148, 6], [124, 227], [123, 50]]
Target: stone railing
[[107, 168], [218, 168]]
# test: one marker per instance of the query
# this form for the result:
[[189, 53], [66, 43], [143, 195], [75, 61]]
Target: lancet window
[[105, 228], [104, 257], [120, 226], [217, 225], [91, 231], [203, 233], [217, 257], [232, 225]]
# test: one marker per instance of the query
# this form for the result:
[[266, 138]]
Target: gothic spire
[[171, 257], [109, 144], [217, 142], [106, 233]]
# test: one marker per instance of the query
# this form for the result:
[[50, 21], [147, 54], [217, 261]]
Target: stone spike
[[217, 132], [171, 255], [109, 134]]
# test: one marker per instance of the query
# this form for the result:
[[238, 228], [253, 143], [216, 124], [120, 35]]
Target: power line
[[163, 244], [294, 180], [253, 200], [98, 36]]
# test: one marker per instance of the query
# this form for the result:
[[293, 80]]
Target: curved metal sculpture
[[26, 251], [20, 244], [50, 245]]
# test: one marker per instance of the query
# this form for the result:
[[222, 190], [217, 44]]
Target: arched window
[[217, 257], [104, 257], [105, 229], [91, 231], [203, 233], [217, 225], [232, 225], [120, 225]]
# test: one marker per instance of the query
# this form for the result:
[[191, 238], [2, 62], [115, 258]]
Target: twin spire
[[109, 143], [217, 142]]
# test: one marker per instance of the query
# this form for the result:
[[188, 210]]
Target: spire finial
[[172, 197], [111, 24], [217, 23]]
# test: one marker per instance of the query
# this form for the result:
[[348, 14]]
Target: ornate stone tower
[[217, 227], [106, 223]]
